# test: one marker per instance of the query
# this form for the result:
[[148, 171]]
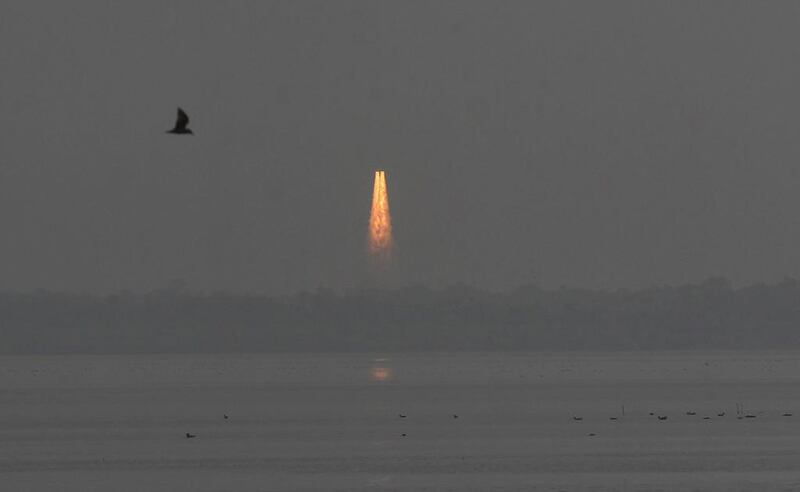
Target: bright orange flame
[[380, 220]]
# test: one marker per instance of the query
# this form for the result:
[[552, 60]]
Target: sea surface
[[438, 421]]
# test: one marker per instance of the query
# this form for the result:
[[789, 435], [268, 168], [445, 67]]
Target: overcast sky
[[595, 144]]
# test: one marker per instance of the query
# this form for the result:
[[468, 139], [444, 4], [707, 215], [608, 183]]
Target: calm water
[[322, 422]]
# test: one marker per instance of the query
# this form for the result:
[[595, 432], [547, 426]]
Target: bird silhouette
[[190, 436], [180, 124]]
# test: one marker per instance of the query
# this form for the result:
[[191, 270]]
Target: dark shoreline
[[707, 316]]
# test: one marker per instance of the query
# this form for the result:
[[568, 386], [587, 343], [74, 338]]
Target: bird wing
[[183, 119]]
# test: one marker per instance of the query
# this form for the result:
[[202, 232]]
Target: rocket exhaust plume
[[380, 223]]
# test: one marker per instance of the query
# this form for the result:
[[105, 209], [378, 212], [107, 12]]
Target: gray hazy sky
[[597, 144]]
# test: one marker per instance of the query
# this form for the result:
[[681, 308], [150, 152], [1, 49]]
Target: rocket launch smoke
[[380, 222]]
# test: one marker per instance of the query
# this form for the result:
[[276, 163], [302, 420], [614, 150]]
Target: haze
[[558, 143]]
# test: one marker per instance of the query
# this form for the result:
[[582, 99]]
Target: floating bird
[[662, 417], [404, 435], [787, 414], [612, 418], [592, 434], [721, 414], [180, 124], [652, 413], [691, 413], [749, 416], [577, 419], [402, 416], [706, 418], [190, 436], [225, 416], [455, 416]]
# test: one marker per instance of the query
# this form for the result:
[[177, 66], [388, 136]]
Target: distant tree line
[[710, 315]]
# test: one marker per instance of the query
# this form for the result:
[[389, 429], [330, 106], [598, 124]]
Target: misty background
[[588, 144]]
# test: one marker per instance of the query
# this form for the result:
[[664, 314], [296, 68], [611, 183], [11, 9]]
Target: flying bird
[[180, 124]]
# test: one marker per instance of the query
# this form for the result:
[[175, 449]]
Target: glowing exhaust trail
[[380, 222]]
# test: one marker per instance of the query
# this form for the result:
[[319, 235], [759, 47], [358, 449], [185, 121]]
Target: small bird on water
[[190, 436], [180, 124]]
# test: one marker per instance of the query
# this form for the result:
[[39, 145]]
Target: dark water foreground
[[528, 421]]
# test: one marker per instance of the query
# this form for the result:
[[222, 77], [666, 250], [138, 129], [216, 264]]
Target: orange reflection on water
[[380, 374]]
